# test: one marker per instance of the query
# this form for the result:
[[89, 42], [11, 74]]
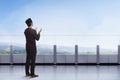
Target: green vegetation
[[19, 52], [4, 52]]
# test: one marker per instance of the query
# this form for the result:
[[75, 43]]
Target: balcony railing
[[55, 55], [63, 49]]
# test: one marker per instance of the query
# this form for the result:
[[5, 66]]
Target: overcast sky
[[91, 22]]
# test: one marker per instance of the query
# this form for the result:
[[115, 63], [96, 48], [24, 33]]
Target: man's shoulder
[[26, 29], [30, 30]]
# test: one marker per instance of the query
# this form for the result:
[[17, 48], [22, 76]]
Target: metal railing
[[76, 55]]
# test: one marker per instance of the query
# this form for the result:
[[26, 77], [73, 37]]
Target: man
[[31, 37]]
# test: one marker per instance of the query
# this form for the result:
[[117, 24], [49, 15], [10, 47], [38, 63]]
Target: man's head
[[29, 22]]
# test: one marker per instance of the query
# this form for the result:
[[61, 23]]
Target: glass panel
[[108, 51], [19, 49], [45, 49], [4, 49], [87, 50], [65, 45], [65, 50], [45, 45], [66, 40]]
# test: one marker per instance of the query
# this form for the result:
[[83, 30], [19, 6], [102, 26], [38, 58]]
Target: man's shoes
[[27, 75], [33, 76]]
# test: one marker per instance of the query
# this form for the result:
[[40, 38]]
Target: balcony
[[63, 49]]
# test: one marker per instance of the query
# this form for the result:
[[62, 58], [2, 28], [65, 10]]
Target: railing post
[[118, 54], [11, 54], [55, 54], [98, 54], [76, 54]]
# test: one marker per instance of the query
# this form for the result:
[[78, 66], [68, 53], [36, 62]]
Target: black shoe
[[27, 75], [33, 76]]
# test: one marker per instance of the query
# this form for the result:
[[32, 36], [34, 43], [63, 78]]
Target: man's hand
[[40, 30]]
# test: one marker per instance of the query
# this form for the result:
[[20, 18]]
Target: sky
[[67, 22]]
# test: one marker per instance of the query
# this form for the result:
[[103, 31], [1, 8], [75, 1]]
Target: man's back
[[31, 35]]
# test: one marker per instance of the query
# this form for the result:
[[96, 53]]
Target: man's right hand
[[40, 30]]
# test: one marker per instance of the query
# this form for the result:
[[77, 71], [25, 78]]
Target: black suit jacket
[[31, 37]]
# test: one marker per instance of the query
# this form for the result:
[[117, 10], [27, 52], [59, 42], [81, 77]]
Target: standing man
[[31, 50]]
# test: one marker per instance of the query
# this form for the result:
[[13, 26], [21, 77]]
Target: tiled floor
[[62, 73]]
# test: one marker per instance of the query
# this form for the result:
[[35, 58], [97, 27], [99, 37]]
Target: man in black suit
[[31, 37]]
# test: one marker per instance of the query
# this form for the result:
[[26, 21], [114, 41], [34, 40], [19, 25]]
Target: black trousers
[[30, 61]]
